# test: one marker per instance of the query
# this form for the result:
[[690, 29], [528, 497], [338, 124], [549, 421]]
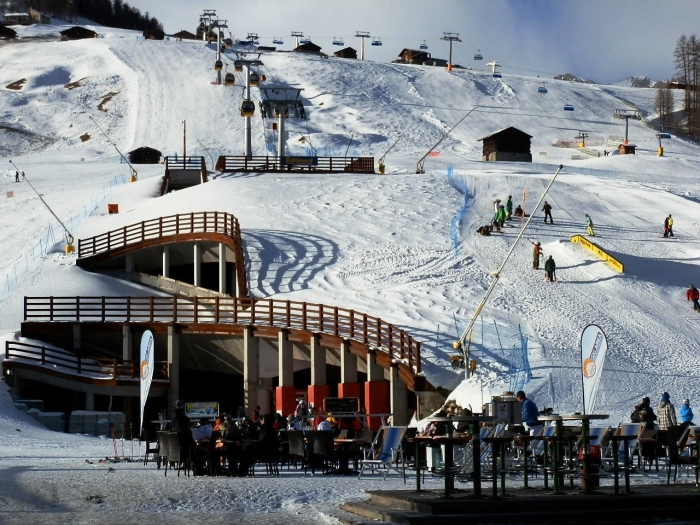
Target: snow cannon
[[69, 245]]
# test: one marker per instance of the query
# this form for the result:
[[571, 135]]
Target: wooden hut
[[145, 155], [309, 47], [184, 35], [348, 52], [509, 144], [627, 149], [413, 56], [153, 33], [77, 33], [7, 32]]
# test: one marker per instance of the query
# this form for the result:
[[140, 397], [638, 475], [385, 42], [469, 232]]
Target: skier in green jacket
[[509, 207]]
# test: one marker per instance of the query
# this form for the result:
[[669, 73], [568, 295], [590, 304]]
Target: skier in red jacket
[[692, 294]]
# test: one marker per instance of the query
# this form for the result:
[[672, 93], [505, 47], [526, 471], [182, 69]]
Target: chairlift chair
[[277, 41], [568, 107], [497, 75], [256, 42], [229, 80], [247, 108], [478, 56], [238, 66], [542, 89], [218, 65], [664, 135], [424, 45], [377, 42], [254, 79], [338, 41], [305, 40]]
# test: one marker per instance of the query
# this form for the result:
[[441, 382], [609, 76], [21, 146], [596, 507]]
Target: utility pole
[[450, 37], [362, 35], [184, 142]]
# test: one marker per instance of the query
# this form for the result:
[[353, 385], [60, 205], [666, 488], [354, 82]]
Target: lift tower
[[281, 102], [450, 37], [627, 114], [362, 35]]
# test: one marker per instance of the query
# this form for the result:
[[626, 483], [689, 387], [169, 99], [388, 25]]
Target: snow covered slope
[[383, 245]]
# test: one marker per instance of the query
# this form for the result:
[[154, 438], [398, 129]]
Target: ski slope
[[378, 244]]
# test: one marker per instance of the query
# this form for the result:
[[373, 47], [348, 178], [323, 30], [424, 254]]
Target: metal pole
[[247, 133], [497, 274], [218, 53], [184, 142], [280, 139]]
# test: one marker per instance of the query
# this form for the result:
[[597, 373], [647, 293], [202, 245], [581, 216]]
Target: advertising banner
[[594, 345], [145, 370]]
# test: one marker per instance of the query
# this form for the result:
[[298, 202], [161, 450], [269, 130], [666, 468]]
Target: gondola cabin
[[497, 75], [238, 66], [478, 56], [568, 107], [338, 42], [542, 90], [423, 45], [277, 41], [218, 65], [228, 42], [247, 108], [254, 79], [229, 80]]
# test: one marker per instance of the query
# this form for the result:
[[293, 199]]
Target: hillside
[[379, 244]]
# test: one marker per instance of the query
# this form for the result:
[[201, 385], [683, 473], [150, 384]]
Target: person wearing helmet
[[692, 294], [668, 226], [536, 252], [589, 225]]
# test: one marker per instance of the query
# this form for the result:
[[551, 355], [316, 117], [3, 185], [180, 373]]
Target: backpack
[[636, 416]]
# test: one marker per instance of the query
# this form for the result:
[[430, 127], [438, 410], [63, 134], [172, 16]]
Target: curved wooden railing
[[309, 317], [171, 229], [95, 369]]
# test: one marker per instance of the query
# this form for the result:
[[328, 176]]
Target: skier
[[668, 226], [501, 216], [17, 176], [536, 252], [692, 294], [496, 204], [686, 414], [518, 211], [550, 267], [589, 225], [547, 209], [509, 207]]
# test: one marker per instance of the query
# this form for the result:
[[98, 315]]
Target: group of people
[[666, 416], [550, 267]]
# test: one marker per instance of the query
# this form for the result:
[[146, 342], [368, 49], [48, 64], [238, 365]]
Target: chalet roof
[[144, 149], [508, 129], [308, 47], [78, 32], [184, 34]]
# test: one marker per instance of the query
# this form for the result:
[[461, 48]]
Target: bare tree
[[664, 107]]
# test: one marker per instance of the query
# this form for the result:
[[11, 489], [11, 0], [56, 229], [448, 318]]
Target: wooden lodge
[[145, 155], [309, 48], [509, 145], [153, 33], [348, 52], [77, 33], [184, 35], [627, 149], [413, 56]]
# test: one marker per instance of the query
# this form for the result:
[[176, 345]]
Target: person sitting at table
[[324, 425], [529, 414]]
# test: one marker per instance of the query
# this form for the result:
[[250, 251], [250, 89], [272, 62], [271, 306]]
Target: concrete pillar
[[399, 397], [197, 250], [166, 261], [89, 401], [265, 395], [286, 392], [348, 387], [222, 267], [76, 338], [376, 391], [251, 374], [129, 263], [234, 280], [318, 390], [127, 344], [173, 367]]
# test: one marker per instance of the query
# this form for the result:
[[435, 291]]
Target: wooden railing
[[183, 163], [63, 361], [309, 317], [184, 224], [229, 163]]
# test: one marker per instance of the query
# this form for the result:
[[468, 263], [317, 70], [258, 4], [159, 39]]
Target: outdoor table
[[476, 447], [616, 440], [498, 449], [556, 453], [585, 420], [525, 439], [343, 446], [418, 441]]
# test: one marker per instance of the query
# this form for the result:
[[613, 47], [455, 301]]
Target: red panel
[[317, 393], [350, 390], [285, 399], [376, 401]]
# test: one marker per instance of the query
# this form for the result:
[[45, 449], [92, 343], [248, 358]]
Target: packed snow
[[381, 244]]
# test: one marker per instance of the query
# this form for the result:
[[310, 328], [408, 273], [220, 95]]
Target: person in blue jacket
[[686, 414], [530, 413]]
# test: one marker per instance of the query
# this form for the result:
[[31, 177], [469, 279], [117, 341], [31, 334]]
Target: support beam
[[166, 261], [286, 392], [348, 364], [197, 251], [399, 397], [222, 267], [173, 366], [89, 401], [251, 374], [127, 343], [318, 390], [129, 263]]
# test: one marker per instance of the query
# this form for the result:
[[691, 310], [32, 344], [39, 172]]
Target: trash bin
[[594, 462]]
